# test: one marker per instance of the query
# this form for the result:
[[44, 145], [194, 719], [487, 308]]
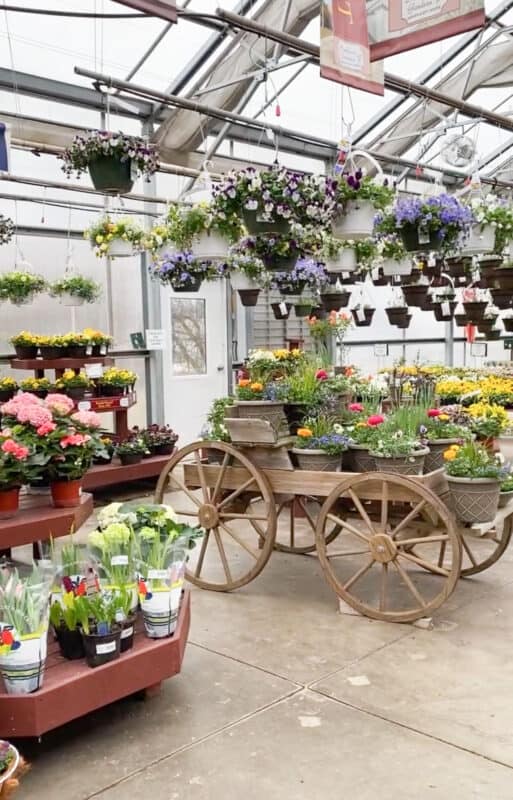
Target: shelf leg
[[152, 691]]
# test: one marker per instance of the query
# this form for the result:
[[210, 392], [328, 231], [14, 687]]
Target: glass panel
[[188, 335]]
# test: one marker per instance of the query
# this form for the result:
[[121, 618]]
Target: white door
[[195, 361]]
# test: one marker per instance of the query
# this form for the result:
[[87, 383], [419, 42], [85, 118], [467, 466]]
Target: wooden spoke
[[422, 540], [423, 563], [233, 515], [201, 473], [468, 551], [409, 583], [220, 477], [343, 553], [235, 493], [201, 557], [347, 526], [408, 518], [383, 589], [441, 555], [356, 500], [304, 507], [185, 490], [384, 505], [361, 572], [222, 553], [185, 513], [240, 542]]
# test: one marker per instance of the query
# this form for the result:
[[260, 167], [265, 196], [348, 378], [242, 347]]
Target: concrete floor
[[281, 696]]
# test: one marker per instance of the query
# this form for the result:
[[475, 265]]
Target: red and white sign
[[345, 55], [399, 25], [156, 8]]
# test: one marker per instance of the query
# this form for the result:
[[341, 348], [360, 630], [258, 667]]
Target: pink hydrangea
[[14, 449], [59, 403], [74, 440], [46, 428], [34, 415], [90, 419]]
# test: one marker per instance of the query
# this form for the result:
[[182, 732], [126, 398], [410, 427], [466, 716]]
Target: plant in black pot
[[184, 271], [306, 273], [281, 310], [362, 315], [8, 388], [74, 384], [303, 393], [426, 224], [333, 298], [75, 290], [106, 454], [101, 633], [247, 277], [25, 345], [115, 382], [38, 386], [64, 619], [131, 451], [303, 306], [160, 439]]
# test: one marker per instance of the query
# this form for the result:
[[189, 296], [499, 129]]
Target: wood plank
[[102, 475], [72, 689], [37, 520], [59, 363]]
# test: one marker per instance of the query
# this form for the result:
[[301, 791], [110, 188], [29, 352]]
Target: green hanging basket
[[111, 175]]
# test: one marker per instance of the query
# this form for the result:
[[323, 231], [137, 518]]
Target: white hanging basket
[[357, 222], [345, 261], [210, 246], [71, 300], [22, 669], [160, 612], [481, 240], [120, 248], [241, 282], [392, 266]]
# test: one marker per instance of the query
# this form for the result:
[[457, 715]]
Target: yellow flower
[[450, 455], [104, 247], [99, 239], [256, 387], [443, 417]]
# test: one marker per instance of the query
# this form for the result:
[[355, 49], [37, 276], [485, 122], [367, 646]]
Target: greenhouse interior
[[256, 299]]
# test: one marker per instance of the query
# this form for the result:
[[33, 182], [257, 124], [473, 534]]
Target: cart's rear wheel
[[372, 566], [296, 522], [212, 485]]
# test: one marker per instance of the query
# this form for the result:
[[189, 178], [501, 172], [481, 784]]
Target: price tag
[[124, 402], [283, 309], [431, 260], [375, 274], [423, 234], [126, 632], [84, 405], [478, 349], [108, 647], [446, 309], [462, 279], [345, 276], [93, 370], [158, 574], [103, 350], [89, 350], [119, 561], [360, 315], [380, 350]]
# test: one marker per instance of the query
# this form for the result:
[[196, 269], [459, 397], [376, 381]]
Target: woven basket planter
[[269, 410], [474, 499], [435, 457], [316, 460], [359, 459], [404, 465]]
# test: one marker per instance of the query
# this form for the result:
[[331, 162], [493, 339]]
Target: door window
[[188, 336]]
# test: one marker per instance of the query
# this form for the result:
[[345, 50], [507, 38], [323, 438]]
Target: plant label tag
[[446, 309], [462, 279], [345, 276], [431, 260], [89, 350], [124, 402], [93, 370], [396, 279], [375, 274], [126, 632], [103, 649], [103, 350], [158, 574], [283, 309], [360, 315], [423, 234], [84, 405], [119, 561], [103, 628]]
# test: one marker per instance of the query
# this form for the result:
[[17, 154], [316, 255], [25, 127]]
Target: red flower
[[321, 375], [375, 419], [433, 412], [356, 407]]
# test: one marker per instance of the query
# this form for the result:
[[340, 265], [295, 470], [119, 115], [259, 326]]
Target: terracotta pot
[[474, 499], [9, 502], [66, 494]]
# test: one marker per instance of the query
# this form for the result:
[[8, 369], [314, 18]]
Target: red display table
[[110, 474], [37, 520]]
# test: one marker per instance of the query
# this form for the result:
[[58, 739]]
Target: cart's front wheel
[[212, 485], [372, 566]]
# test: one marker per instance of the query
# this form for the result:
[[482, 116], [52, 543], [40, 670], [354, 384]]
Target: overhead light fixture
[[155, 8]]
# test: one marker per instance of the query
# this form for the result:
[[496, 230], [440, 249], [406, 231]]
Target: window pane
[[188, 337]]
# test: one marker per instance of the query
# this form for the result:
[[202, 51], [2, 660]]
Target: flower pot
[[281, 310], [164, 449], [71, 300], [362, 317], [413, 242], [111, 175], [26, 300], [316, 460], [295, 289], [240, 281], [505, 445], [475, 311], [508, 324], [416, 294], [120, 248], [381, 279], [318, 312], [41, 393], [444, 311], [504, 498], [77, 351], [435, 457], [50, 353], [70, 643], [66, 494], [480, 240], [461, 320], [404, 322], [6, 395], [9, 502], [249, 297], [11, 770], [26, 352], [345, 261], [22, 669], [257, 224], [76, 392], [107, 390], [270, 410], [357, 221], [295, 413], [210, 246], [493, 335], [402, 465], [160, 612], [100, 350], [333, 301], [193, 284], [391, 266], [100, 649], [280, 263], [474, 499], [503, 278], [303, 309], [128, 459], [127, 633], [359, 458], [396, 314], [502, 298]]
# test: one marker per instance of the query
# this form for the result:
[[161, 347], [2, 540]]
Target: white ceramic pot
[[393, 267], [481, 240], [71, 300], [356, 223], [120, 248], [346, 261], [22, 669], [210, 246], [241, 282]]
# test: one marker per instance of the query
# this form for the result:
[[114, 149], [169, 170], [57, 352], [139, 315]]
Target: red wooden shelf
[[58, 363], [37, 520], [109, 474], [71, 688]]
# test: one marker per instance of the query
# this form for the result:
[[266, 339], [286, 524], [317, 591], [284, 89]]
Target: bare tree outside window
[[189, 350]]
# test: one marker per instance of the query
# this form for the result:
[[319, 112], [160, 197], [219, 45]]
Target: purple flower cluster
[[179, 268], [143, 155], [307, 272], [331, 443], [440, 212]]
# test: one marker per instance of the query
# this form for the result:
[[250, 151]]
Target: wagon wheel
[[217, 497], [372, 566], [296, 522], [479, 552]]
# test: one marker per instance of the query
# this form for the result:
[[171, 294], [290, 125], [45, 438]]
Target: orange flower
[[348, 372], [244, 382], [305, 433], [256, 387]]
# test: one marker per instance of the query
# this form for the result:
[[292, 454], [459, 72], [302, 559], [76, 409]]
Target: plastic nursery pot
[[25, 351], [50, 353], [357, 221], [164, 449], [381, 279], [66, 494], [9, 502], [363, 317], [332, 301], [396, 314], [111, 175], [77, 351], [295, 413], [416, 294], [440, 308], [303, 309], [280, 263], [503, 278], [281, 310], [318, 312], [502, 298], [107, 390], [6, 395], [76, 392], [127, 459], [474, 499], [100, 649], [70, 643], [248, 297], [297, 289], [100, 350], [475, 311], [493, 335], [127, 633], [191, 285], [316, 460], [256, 225], [508, 324], [415, 243], [404, 322], [461, 320], [22, 670]]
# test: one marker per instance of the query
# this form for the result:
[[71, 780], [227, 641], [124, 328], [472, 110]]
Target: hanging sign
[[345, 54], [156, 8], [155, 339], [479, 349], [4, 148], [399, 25]]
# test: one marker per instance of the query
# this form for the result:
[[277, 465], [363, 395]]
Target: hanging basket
[[480, 240], [461, 320], [444, 312], [345, 261], [281, 310], [333, 301], [503, 278], [404, 322], [302, 310], [396, 314], [295, 289], [493, 334], [379, 278], [210, 246], [415, 242], [508, 324], [362, 317], [256, 223], [71, 300], [392, 266], [357, 221], [475, 311], [249, 297], [416, 294], [191, 285], [502, 298], [280, 263], [120, 248], [22, 669], [111, 175]]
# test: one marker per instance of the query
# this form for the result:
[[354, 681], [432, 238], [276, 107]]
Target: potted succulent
[[506, 492], [15, 459], [362, 314], [25, 345], [24, 606], [6, 229], [358, 197], [318, 446], [75, 290], [474, 478], [38, 386], [395, 451], [20, 287], [438, 432], [8, 388], [184, 272], [131, 451], [425, 224], [64, 619], [202, 230], [117, 238], [74, 384], [113, 159], [256, 400], [115, 382], [101, 633], [247, 276]]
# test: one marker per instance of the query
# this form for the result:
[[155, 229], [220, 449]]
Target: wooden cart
[[388, 544]]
